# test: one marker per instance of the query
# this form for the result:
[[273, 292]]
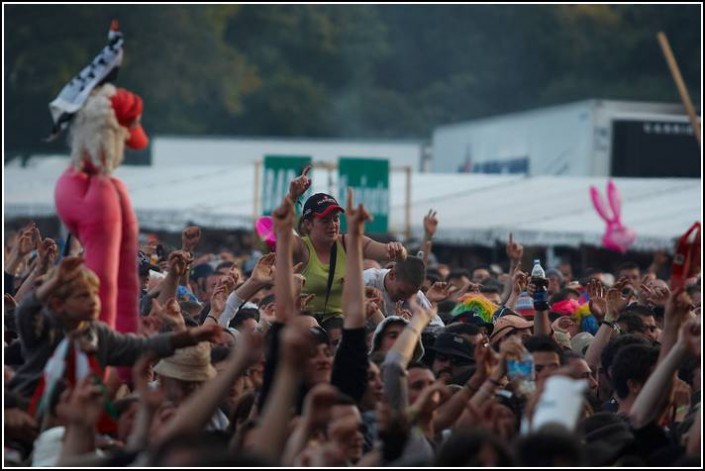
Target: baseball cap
[[505, 324], [321, 205], [455, 345]]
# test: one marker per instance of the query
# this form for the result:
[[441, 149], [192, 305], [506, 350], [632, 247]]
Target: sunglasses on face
[[453, 360]]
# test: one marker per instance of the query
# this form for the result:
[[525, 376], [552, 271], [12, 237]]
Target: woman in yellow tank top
[[323, 242]]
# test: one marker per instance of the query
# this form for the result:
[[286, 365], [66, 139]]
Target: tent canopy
[[472, 209]]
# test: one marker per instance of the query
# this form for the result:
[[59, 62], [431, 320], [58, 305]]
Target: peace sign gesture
[[430, 224], [300, 184]]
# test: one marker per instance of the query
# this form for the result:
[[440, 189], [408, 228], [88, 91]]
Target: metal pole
[[407, 228], [255, 206]]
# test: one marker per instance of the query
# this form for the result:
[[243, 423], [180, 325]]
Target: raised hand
[[300, 184], [206, 333], [229, 281], [396, 251], [296, 342], [304, 300], [84, 404], [616, 300], [426, 314], [515, 251], [19, 425], [431, 398], [468, 287], [190, 237], [263, 272], [179, 262], [678, 307], [68, 270], [170, 312], [283, 217], [218, 300], [655, 295], [439, 291], [430, 224], [690, 335], [151, 398], [10, 302], [317, 405], [299, 282], [401, 312], [28, 240], [150, 325], [485, 359], [374, 294], [520, 282], [598, 301], [250, 348], [356, 217], [47, 251]]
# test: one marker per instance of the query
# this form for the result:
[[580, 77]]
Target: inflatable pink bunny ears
[[264, 226], [617, 237]]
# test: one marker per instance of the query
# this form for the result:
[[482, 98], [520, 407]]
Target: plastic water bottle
[[520, 371], [538, 278]]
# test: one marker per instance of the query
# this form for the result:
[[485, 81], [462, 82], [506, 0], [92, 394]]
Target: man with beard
[[453, 360]]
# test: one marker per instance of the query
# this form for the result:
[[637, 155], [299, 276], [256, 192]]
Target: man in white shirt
[[400, 283]]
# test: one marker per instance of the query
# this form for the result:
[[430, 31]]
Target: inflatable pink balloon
[[265, 231], [617, 236]]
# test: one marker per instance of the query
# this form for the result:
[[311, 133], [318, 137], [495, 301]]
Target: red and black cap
[[321, 205]]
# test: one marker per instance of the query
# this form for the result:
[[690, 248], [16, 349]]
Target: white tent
[[472, 209]]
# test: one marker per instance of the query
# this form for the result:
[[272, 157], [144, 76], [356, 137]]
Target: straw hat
[[188, 364]]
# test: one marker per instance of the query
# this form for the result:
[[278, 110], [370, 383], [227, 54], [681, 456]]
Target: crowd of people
[[369, 357], [333, 350]]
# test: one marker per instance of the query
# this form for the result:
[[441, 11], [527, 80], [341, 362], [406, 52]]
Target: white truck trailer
[[587, 138]]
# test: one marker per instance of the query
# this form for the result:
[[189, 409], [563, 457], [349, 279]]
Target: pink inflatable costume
[[94, 205]]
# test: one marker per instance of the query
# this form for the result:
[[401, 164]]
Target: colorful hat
[[475, 308]]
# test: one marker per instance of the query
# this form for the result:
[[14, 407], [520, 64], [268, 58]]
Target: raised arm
[[649, 403], [430, 224], [47, 252], [26, 241], [398, 357], [515, 252], [269, 438], [283, 280], [179, 262], [599, 308], [80, 408], [379, 251], [678, 310], [520, 281], [542, 325], [354, 287], [190, 237], [297, 187]]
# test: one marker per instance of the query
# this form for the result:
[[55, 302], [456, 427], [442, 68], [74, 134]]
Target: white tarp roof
[[472, 209]]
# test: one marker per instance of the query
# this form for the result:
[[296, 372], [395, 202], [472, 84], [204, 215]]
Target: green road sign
[[369, 178], [279, 170]]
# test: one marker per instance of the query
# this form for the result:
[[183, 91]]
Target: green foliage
[[374, 71]]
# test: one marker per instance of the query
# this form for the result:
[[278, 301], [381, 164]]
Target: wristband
[[212, 317], [609, 323]]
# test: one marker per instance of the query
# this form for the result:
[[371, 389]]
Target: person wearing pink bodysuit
[[95, 206]]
